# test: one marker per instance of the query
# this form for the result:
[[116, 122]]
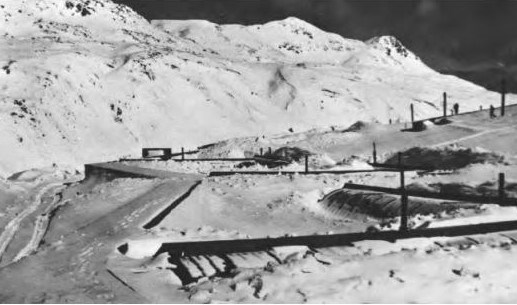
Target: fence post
[[374, 153], [182, 153], [445, 104], [306, 164], [503, 95], [412, 115], [269, 150], [261, 151], [403, 199], [501, 188]]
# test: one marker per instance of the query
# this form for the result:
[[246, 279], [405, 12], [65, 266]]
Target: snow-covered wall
[[89, 80]]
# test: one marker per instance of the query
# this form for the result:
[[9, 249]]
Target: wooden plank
[[155, 148], [269, 160], [214, 159], [158, 218], [185, 153], [342, 172], [403, 167], [323, 241]]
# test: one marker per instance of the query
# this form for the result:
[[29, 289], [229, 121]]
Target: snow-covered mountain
[[91, 80], [292, 41]]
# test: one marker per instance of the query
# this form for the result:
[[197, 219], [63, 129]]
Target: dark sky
[[447, 34]]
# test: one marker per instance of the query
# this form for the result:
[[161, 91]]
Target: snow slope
[[90, 80]]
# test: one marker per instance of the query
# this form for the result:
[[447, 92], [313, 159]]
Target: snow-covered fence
[[192, 248], [501, 199], [288, 173], [502, 108]]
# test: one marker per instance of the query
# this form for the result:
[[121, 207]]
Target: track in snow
[[40, 227], [12, 227], [479, 134]]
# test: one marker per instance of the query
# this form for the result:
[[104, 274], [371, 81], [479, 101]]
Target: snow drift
[[355, 204], [90, 80], [449, 157]]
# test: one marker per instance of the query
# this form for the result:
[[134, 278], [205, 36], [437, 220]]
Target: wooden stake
[[182, 153], [403, 199], [306, 164], [374, 153], [503, 95], [501, 188], [445, 104], [412, 115]]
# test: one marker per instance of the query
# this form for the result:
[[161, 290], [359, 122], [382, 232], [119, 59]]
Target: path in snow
[[13, 226], [479, 134], [40, 226]]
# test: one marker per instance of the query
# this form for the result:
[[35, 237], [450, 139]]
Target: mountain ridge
[[85, 87]]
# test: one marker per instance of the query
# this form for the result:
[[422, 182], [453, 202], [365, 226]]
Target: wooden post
[[261, 151], [503, 95], [269, 150], [445, 104], [145, 153], [480, 107], [306, 164], [403, 199], [501, 188], [374, 153], [412, 115], [182, 153]]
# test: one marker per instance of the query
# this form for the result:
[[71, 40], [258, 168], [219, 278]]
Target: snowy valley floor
[[61, 238]]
